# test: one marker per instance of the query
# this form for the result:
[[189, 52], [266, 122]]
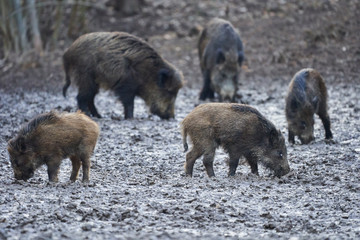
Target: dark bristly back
[[39, 120]]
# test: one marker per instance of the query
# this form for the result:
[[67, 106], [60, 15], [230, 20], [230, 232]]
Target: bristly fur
[[240, 130], [48, 139], [307, 95], [300, 85], [42, 119], [125, 64], [246, 109]]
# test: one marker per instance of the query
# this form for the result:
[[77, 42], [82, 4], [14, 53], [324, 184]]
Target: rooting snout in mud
[[241, 130], [306, 96], [49, 138], [127, 65]]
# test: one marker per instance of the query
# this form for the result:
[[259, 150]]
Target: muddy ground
[[138, 188]]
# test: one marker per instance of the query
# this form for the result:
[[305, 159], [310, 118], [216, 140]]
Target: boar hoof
[[330, 141]]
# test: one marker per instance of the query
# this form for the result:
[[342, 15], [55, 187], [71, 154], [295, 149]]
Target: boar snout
[[306, 139], [226, 98], [282, 171], [227, 92], [163, 115], [167, 114], [24, 175]]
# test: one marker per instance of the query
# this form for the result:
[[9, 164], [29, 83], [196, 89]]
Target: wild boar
[[306, 96], [127, 65], [51, 137], [241, 131], [221, 55]]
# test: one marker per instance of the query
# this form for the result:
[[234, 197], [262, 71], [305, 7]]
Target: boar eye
[[280, 154], [303, 125], [15, 162]]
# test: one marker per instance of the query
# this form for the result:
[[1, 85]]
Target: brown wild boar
[[125, 64], [51, 137], [241, 131], [306, 96], [221, 55]]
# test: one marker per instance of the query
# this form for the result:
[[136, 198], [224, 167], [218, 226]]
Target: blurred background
[[280, 37]]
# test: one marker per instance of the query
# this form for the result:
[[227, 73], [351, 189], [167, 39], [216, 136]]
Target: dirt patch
[[138, 188]]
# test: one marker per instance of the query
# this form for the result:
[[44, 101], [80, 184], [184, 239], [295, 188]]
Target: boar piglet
[[221, 55], [125, 64], [241, 131], [48, 139], [306, 96]]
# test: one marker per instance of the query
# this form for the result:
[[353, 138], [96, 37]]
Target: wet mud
[[138, 188]]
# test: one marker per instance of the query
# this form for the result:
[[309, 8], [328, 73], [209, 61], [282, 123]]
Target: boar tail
[[67, 84], [67, 75], [184, 133]]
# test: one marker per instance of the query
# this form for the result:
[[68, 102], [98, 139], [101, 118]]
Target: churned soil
[[138, 189]]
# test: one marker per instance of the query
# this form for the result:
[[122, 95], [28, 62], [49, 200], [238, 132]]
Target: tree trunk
[[20, 25], [35, 26], [58, 19]]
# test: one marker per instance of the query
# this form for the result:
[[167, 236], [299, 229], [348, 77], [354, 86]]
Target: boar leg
[[76, 163], [326, 122], [127, 98], [53, 169], [92, 107], [85, 99], [129, 109], [206, 91], [233, 164], [291, 137], [208, 161], [191, 157], [85, 160], [252, 160]]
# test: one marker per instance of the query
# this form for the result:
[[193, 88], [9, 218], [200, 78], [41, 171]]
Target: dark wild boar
[[125, 64], [307, 95], [51, 137], [241, 131], [221, 55]]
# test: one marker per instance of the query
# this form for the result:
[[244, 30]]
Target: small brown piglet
[[51, 137], [241, 131]]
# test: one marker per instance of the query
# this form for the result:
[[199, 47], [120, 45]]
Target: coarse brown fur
[[125, 64], [221, 55], [241, 130], [306, 96], [51, 137]]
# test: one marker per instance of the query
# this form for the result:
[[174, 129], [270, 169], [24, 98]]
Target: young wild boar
[[221, 55], [307, 95], [125, 64], [241, 130], [51, 137]]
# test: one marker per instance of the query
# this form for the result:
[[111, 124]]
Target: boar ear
[[163, 77], [11, 145], [20, 145], [315, 101], [240, 57], [294, 105], [220, 57], [274, 136]]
